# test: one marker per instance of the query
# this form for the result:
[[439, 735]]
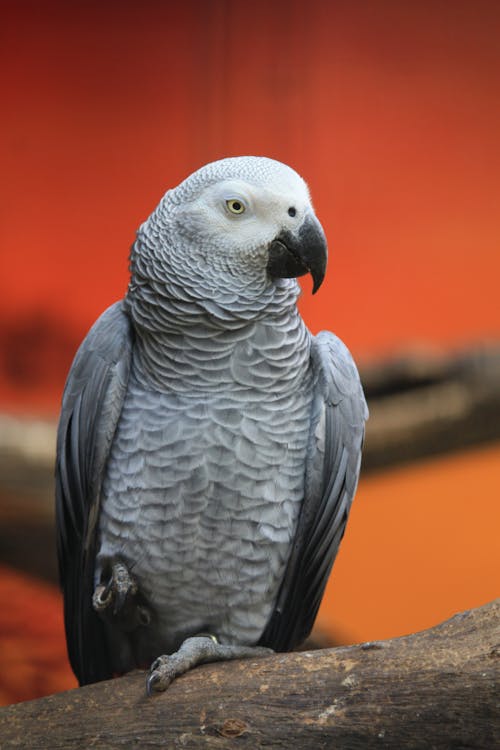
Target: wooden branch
[[423, 405], [435, 689]]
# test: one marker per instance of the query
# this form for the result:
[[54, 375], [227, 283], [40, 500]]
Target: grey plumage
[[206, 439]]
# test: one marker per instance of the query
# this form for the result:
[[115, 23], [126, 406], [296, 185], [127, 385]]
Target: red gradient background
[[391, 112]]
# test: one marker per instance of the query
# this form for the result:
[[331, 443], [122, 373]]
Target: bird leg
[[117, 599], [199, 649]]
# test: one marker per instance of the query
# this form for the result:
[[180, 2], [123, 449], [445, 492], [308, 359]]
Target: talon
[[117, 598], [152, 680], [156, 664], [159, 679], [193, 651], [102, 597]]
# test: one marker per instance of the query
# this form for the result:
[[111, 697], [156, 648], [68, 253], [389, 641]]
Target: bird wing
[[339, 412], [92, 403]]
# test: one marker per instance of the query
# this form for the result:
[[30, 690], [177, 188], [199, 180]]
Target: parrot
[[208, 445]]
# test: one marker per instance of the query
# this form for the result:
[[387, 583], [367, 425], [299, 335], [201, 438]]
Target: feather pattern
[[332, 470], [206, 439], [91, 406], [211, 478]]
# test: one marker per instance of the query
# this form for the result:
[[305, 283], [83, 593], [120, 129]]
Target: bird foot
[[199, 649], [117, 599]]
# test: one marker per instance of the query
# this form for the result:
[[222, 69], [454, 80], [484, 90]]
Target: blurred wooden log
[[426, 404], [436, 689], [27, 533]]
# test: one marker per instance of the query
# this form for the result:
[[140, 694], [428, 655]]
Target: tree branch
[[435, 689]]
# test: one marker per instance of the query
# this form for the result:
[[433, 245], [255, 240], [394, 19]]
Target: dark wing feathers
[[337, 429], [92, 403]]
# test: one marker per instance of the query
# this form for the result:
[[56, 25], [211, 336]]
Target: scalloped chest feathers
[[206, 476]]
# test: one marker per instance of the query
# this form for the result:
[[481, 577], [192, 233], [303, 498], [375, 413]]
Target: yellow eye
[[235, 206]]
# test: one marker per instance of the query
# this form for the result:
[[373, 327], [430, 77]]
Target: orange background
[[420, 546], [390, 110]]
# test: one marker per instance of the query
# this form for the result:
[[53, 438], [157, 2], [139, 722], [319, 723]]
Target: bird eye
[[292, 211], [235, 206]]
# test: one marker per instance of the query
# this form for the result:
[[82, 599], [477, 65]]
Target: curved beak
[[292, 255]]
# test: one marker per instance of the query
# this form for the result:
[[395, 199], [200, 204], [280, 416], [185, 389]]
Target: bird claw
[[160, 676], [116, 590], [117, 597], [199, 649], [150, 683], [102, 597], [157, 664]]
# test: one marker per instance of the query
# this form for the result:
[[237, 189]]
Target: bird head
[[240, 220]]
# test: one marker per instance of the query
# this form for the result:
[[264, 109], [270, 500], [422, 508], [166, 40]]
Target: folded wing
[[92, 403], [338, 417]]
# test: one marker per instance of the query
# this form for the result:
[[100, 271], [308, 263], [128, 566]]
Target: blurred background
[[391, 112]]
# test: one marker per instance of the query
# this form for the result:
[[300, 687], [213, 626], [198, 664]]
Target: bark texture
[[435, 689]]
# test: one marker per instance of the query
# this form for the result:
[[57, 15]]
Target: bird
[[208, 446]]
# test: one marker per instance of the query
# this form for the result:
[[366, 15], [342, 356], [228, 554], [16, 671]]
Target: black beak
[[292, 255]]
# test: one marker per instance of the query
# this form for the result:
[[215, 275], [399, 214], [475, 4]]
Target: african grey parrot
[[208, 446]]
